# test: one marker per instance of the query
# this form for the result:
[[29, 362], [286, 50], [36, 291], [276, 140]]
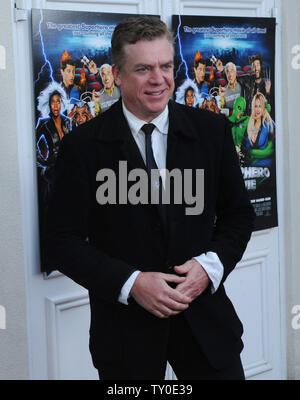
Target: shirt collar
[[135, 124]]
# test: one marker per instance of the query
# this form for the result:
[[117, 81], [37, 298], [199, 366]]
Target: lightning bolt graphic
[[47, 62], [183, 62]]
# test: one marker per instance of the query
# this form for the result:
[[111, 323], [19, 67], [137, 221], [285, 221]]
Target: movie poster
[[73, 81], [226, 65]]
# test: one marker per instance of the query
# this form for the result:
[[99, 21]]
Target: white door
[[58, 309]]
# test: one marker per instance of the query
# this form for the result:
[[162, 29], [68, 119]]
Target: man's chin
[[157, 109], [153, 112]]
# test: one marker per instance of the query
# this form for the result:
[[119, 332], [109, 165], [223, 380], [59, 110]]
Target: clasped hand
[[151, 290]]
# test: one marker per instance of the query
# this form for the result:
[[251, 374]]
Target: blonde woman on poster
[[260, 133]]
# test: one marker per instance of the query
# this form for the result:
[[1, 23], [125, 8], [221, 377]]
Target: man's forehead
[[230, 67], [104, 70], [148, 44], [68, 67]]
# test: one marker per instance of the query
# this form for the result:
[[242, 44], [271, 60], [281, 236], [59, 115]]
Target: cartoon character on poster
[[228, 65]]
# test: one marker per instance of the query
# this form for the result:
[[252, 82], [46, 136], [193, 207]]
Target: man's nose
[[157, 76]]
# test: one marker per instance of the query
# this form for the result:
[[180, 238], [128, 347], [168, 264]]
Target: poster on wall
[[226, 65], [73, 81]]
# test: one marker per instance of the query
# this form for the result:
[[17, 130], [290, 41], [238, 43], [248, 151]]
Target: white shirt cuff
[[123, 298], [213, 267]]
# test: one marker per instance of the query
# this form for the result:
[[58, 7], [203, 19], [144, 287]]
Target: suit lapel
[[180, 137], [182, 153], [131, 151], [116, 130]]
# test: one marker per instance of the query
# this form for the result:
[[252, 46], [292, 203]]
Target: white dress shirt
[[210, 260]]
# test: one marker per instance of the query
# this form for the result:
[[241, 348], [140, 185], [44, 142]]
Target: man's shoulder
[[203, 125], [87, 133], [196, 114], [82, 136]]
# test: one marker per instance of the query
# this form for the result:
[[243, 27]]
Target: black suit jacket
[[99, 246]]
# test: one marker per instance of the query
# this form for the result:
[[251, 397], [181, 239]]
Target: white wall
[[291, 125], [13, 339]]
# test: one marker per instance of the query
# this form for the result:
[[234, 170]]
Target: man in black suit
[[154, 272]]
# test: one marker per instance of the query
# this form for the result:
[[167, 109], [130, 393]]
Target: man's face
[[211, 105], [55, 105], [231, 74], [200, 72], [190, 98], [107, 77], [256, 69], [68, 75], [146, 78], [81, 115]]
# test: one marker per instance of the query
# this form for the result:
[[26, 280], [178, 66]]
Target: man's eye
[[142, 69], [168, 66]]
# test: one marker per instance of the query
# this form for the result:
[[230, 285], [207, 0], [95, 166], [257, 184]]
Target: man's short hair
[[229, 64], [104, 66], [64, 63], [199, 61], [254, 58], [258, 58], [133, 29]]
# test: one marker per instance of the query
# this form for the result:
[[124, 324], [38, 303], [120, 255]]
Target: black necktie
[[151, 164], [150, 161], [154, 185]]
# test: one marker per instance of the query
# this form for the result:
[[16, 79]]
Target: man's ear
[[117, 75]]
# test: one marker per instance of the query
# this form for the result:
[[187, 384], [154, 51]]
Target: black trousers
[[183, 354]]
